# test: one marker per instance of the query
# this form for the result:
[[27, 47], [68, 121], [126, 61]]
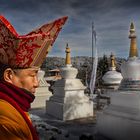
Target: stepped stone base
[[69, 101], [69, 111]]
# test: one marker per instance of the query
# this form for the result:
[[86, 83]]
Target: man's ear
[[8, 75]]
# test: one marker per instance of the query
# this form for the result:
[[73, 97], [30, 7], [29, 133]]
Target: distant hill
[[78, 61], [83, 64]]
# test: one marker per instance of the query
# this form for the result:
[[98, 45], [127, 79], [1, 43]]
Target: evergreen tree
[[101, 69]]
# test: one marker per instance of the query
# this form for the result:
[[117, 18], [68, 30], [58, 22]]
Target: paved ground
[[80, 129]]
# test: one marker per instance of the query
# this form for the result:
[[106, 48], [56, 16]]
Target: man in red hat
[[20, 59]]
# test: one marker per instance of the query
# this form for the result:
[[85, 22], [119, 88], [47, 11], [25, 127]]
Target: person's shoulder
[[12, 123], [5, 105], [7, 110]]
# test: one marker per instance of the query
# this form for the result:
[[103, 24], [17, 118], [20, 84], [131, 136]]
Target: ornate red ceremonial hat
[[23, 51]]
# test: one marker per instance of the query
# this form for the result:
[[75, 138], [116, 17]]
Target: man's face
[[26, 78]]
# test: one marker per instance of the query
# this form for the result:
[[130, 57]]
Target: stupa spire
[[133, 44], [112, 63], [68, 58]]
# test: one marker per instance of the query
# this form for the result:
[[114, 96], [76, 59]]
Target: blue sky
[[111, 19]]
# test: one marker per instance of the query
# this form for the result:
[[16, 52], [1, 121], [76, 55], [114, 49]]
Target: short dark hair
[[3, 67]]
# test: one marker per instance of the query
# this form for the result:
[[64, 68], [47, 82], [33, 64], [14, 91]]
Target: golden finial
[[112, 59], [68, 59], [132, 25], [133, 44]]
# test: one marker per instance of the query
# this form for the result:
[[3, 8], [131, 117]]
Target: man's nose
[[36, 82]]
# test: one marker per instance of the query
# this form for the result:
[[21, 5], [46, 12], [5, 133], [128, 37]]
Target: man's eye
[[32, 75]]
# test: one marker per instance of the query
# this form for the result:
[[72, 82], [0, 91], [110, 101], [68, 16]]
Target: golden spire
[[68, 59], [112, 64], [133, 44]]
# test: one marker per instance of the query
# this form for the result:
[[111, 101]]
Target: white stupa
[[69, 101], [121, 119], [112, 78], [42, 92]]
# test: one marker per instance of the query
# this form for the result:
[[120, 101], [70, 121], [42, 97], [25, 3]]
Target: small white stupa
[[112, 78], [69, 101], [121, 119], [42, 92]]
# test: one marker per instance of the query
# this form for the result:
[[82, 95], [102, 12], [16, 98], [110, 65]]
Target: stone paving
[[80, 129]]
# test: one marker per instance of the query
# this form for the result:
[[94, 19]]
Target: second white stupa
[[69, 101], [112, 78]]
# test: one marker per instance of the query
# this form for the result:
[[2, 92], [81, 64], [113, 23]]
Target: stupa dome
[[131, 69], [112, 77]]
